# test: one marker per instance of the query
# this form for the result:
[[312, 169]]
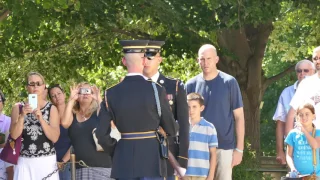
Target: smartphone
[[33, 101]]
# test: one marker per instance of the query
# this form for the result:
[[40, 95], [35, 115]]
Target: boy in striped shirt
[[203, 142]]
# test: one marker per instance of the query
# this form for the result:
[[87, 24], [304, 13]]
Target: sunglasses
[[150, 55], [35, 84], [304, 70]]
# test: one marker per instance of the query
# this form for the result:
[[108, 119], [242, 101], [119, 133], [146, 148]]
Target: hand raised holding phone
[[37, 112], [96, 93], [31, 105], [74, 93], [26, 109]]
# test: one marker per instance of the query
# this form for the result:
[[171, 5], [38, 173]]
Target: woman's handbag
[[11, 150], [113, 130]]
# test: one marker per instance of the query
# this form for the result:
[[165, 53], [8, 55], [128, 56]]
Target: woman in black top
[[81, 118]]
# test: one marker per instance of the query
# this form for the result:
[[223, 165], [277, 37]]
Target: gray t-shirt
[[221, 96]]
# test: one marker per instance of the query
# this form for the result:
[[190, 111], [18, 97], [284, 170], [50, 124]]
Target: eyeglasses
[[35, 84], [304, 70]]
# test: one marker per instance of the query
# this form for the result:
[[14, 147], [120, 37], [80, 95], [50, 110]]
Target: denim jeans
[[66, 173]]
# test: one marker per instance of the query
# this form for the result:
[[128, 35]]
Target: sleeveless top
[[63, 144], [80, 134], [35, 143]]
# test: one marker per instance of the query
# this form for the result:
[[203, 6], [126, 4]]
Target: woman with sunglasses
[[80, 117], [39, 128], [58, 98]]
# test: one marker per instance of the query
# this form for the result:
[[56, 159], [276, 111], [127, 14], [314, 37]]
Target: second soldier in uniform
[[176, 96]]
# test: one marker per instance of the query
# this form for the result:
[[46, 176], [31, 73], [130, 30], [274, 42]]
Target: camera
[[85, 91]]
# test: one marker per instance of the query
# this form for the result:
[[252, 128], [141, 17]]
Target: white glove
[[115, 133], [181, 170]]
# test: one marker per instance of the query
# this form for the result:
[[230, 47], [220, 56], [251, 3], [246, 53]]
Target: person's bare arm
[[213, 163], [66, 156], [51, 130], [289, 158], [240, 130], [281, 157], [289, 121], [9, 171], [17, 119], [67, 117]]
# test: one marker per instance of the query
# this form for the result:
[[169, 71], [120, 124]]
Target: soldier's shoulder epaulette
[[154, 82], [173, 79], [112, 86]]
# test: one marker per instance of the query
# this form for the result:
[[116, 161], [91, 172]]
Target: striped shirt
[[203, 136]]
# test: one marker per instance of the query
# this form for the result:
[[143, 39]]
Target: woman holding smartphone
[[80, 116], [38, 123]]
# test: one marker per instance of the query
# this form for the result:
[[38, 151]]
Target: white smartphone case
[[33, 101]]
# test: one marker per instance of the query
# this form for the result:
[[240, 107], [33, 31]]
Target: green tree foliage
[[77, 40]]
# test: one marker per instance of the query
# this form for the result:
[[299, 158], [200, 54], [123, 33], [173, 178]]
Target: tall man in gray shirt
[[223, 108]]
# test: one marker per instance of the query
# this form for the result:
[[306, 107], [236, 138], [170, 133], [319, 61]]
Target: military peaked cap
[[134, 46]]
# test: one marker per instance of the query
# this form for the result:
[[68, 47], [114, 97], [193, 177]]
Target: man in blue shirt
[[223, 108]]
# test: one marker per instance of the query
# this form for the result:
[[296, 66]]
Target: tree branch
[[235, 42], [71, 41], [4, 15], [131, 34], [274, 78]]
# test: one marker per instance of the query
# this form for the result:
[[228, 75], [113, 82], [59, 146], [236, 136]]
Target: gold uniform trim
[[134, 47], [156, 47], [139, 132], [150, 80], [183, 157], [147, 137]]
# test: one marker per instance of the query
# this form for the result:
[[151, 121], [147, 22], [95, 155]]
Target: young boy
[[203, 142]]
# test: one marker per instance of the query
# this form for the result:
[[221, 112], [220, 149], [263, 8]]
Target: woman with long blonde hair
[[80, 117], [39, 128]]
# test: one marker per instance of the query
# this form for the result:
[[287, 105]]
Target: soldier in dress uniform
[[177, 98], [132, 106]]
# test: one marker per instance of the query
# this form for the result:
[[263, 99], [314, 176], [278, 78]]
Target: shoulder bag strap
[[314, 152]]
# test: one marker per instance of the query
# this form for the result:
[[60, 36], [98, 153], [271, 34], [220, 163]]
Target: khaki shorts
[[224, 162], [194, 178]]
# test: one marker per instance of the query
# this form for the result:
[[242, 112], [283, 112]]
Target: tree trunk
[[252, 118], [241, 54]]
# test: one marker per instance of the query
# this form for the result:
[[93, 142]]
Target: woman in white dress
[[39, 129]]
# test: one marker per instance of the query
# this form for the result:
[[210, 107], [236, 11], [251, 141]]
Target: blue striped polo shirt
[[203, 136]]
